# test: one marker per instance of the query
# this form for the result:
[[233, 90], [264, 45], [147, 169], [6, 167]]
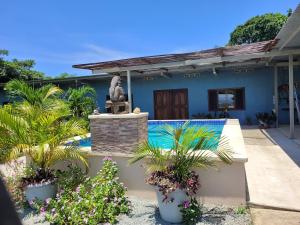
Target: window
[[229, 98]]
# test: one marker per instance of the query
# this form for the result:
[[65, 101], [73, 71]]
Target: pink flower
[[77, 189], [107, 158]]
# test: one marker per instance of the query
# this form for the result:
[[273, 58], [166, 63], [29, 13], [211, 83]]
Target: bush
[[191, 211], [70, 179], [98, 200]]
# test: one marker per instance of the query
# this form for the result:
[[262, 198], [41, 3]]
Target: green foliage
[[186, 153], [62, 76], [69, 179], [241, 210], [82, 101], [97, 200], [191, 211], [38, 126], [17, 69], [258, 28]]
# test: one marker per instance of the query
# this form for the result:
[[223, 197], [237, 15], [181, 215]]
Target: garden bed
[[146, 212]]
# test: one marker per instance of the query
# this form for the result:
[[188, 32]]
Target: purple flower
[[78, 189], [186, 204], [107, 158], [43, 209]]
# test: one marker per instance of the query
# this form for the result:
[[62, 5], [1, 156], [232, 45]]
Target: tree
[[82, 100], [17, 69], [63, 75], [258, 28], [39, 126]]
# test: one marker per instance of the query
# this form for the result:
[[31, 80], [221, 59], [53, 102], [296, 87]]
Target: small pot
[[40, 191], [169, 210]]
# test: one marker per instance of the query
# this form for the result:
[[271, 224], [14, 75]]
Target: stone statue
[[117, 102], [116, 92]]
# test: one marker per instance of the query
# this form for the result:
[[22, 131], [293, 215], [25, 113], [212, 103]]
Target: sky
[[60, 33]]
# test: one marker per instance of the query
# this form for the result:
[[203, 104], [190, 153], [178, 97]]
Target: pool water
[[155, 126]]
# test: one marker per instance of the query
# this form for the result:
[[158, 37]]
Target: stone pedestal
[[118, 133]]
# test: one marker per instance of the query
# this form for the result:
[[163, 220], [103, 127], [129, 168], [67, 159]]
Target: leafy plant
[[266, 118], [192, 148], [69, 179], [82, 100], [97, 200], [191, 211], [241, 210], [38, 126]]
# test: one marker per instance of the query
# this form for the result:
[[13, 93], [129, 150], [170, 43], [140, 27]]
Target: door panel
[[171, 104], [161, 104]]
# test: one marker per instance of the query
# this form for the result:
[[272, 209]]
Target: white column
[[291, 96], [276, 93], [129, 90]]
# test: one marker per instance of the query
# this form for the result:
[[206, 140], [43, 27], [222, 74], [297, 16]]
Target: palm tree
[[191, 148], [82, 100], [39, 126]]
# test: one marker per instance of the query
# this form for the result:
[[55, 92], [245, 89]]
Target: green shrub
[[69, 179], [98, 200], [191, 211]]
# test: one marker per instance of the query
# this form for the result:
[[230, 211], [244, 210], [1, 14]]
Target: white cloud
[[88, 53]]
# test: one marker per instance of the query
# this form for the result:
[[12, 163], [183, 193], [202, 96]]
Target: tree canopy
[[258, 28], [17, 69]]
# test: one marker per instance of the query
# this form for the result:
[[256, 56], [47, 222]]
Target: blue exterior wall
[[258, 84]]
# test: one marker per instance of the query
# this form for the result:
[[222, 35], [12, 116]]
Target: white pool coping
[[119, 116], [231, 131]]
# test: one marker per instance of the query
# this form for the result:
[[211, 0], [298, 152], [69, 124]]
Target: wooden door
[[171, 104], [162, 105], [180, 104]]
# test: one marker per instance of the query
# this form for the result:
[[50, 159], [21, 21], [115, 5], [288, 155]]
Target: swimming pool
[[155, 126]]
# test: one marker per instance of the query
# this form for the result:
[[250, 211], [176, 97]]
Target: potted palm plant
[[38, 125], [171, 171]]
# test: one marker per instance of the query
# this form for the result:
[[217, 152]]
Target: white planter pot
[[169, 210], [40, 191]]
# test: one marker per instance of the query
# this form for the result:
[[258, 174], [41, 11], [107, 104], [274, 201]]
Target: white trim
[[129, 91], [105, 116], [276, 93], [291, 96]]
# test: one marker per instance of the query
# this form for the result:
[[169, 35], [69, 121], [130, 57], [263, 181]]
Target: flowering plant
[[97, 200], [191, 148], [167, 182], [191, 211]]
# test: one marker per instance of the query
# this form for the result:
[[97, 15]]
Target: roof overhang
[[289, 35]]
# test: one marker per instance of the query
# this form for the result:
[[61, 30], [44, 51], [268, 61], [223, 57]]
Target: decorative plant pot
[[168, 209], [40, 191]]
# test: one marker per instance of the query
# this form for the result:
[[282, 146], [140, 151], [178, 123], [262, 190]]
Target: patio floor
[[272, 170]]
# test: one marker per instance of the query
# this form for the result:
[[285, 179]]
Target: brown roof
[[204, 54]]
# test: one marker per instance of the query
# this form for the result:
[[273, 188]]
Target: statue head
[[115, 81]]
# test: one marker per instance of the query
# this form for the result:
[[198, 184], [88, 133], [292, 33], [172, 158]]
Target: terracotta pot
[[40, 191], [169, 210]]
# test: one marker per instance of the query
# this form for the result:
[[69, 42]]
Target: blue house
[[239, 80]]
